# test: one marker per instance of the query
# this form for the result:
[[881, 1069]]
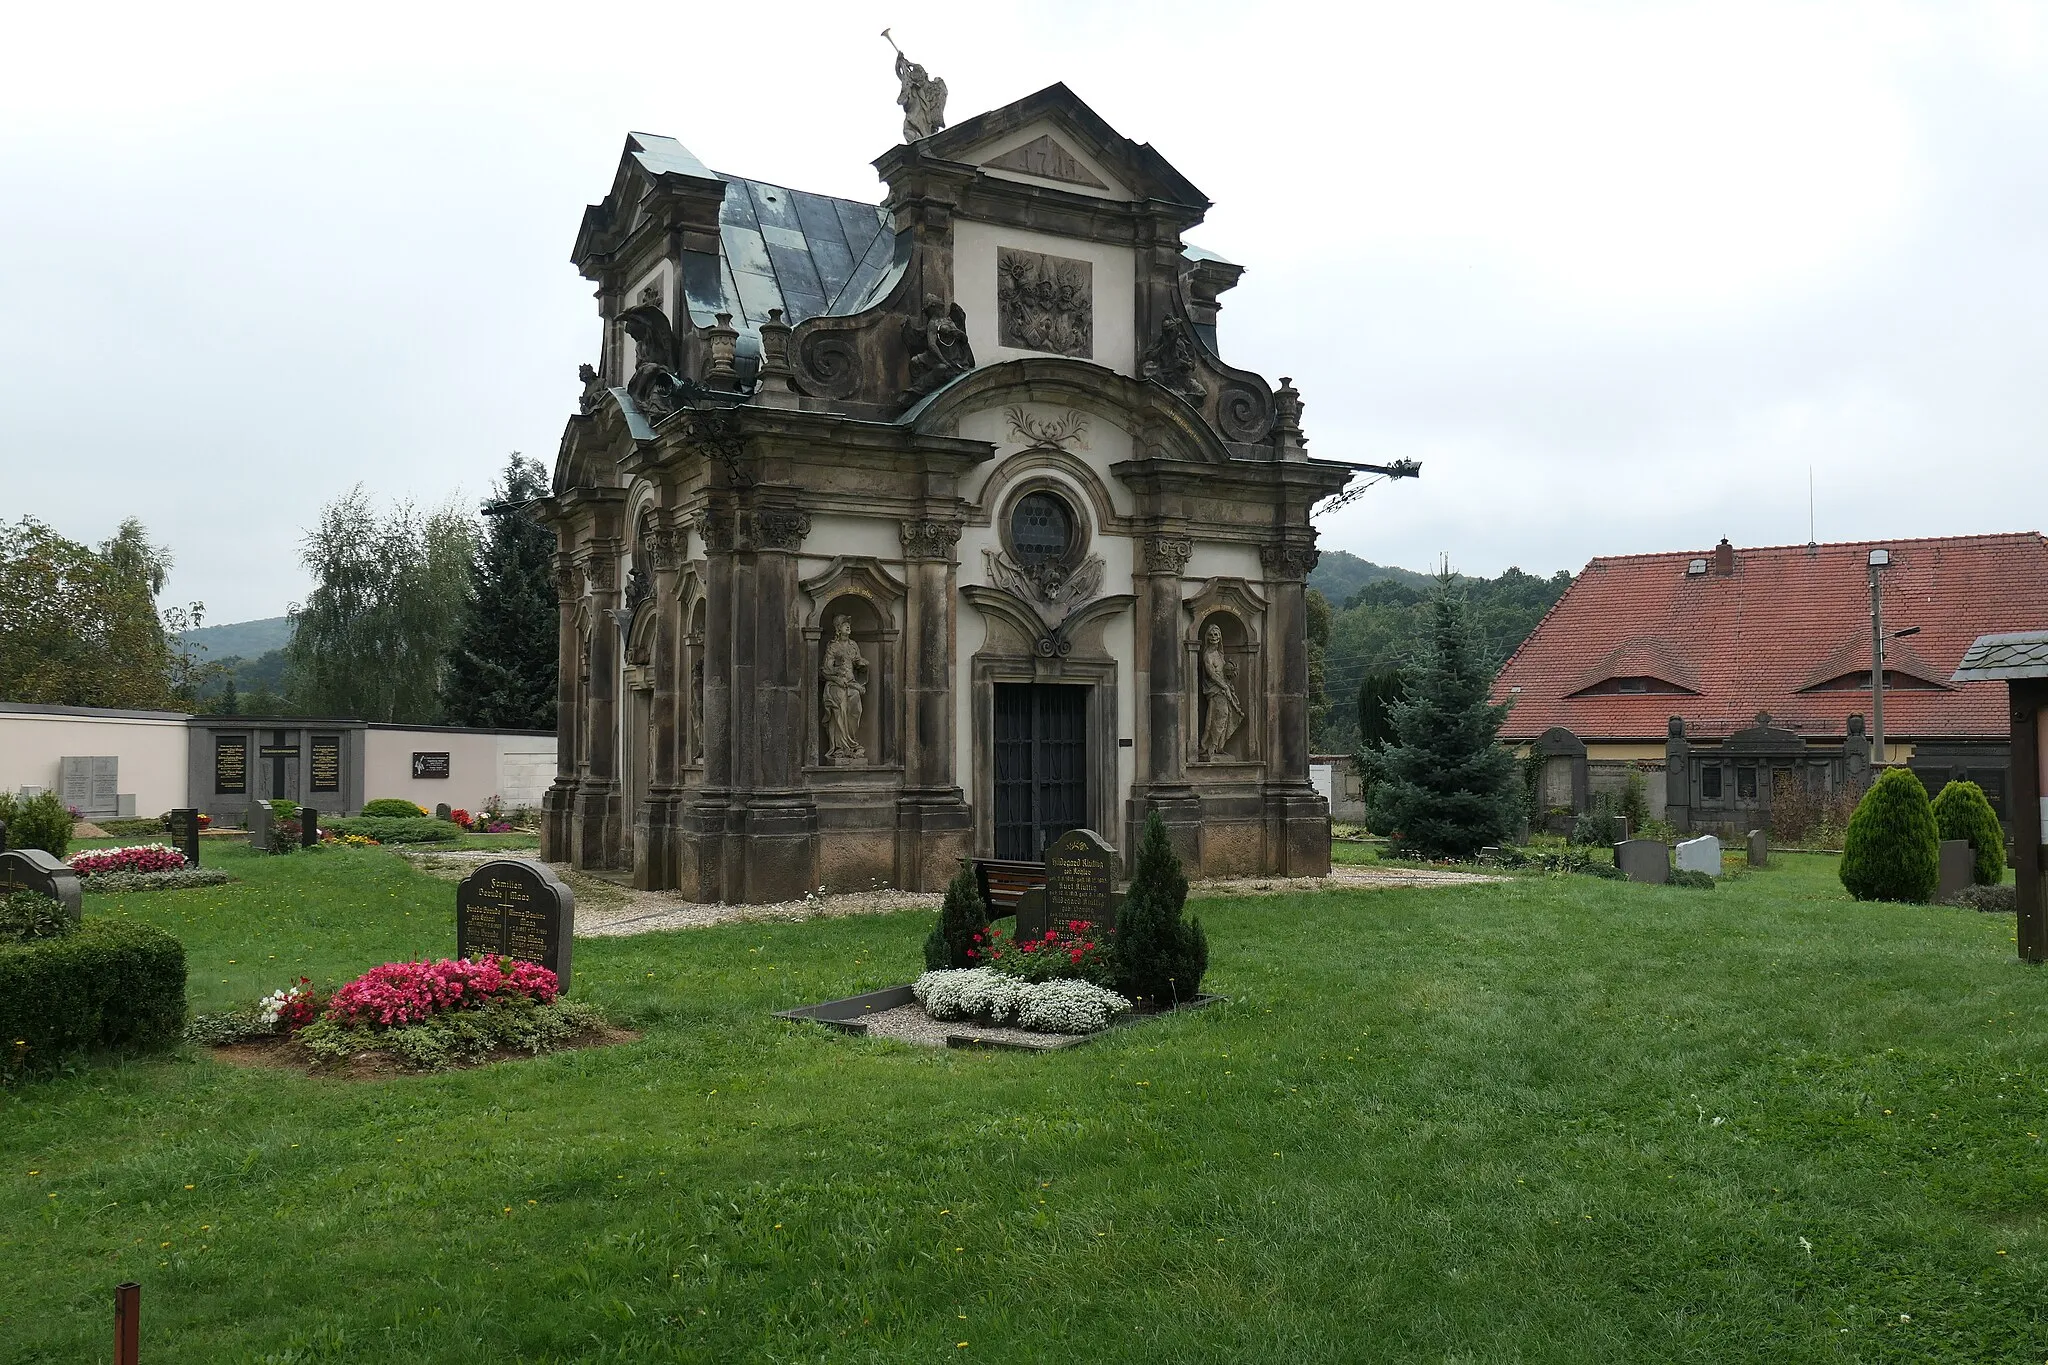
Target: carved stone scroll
[[1166, 554]]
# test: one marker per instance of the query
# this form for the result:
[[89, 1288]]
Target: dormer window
[[1635, 685], [1631, 684]]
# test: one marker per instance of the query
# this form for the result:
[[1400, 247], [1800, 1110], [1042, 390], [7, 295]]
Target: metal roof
[[2021, 654]]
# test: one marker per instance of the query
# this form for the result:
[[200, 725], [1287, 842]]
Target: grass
[[1555, 1119]]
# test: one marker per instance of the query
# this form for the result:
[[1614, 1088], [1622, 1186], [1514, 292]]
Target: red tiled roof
[[1788, 618]]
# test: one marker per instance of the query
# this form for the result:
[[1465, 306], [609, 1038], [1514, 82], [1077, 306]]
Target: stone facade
[[885, 540]]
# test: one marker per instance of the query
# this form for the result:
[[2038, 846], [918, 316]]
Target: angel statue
[[938, 346], [1219, 690], [923, 97], [843, 692]]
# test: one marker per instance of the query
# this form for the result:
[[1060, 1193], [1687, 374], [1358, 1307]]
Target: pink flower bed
[[133, 858], [400, 993]]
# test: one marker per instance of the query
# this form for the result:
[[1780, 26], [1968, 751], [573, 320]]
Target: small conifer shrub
[[961, 936], [1892, 852], [1159, 956], [1962, 811]]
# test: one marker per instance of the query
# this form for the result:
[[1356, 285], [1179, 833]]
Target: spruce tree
[[502, 671], [1892, 850], [1962, 811], [962, 916], [1444, 786], [1158, 956]]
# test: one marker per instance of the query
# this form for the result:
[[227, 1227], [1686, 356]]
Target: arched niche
[[869, 599], [1226, 683], [694, 611]]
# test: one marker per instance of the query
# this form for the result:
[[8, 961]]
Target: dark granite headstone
[[1644, 860], [1958, 862], [1031, 919], [1080, 879], [31, 869], [1759, 849], [185, 824], [519, 909], [259, 826], [309, 826], [443, 811]]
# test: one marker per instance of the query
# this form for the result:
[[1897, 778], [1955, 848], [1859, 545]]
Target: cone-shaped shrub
[[1962, 811], [961, 917], [1891, 852], [1159, 956]]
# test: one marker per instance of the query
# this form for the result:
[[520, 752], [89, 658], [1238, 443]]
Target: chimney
[[1724, 559]]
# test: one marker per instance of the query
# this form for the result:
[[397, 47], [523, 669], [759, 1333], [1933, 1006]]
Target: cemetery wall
[[151, 747], [433, 765]]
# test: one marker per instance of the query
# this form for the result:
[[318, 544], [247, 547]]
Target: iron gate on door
[[1041, 757]]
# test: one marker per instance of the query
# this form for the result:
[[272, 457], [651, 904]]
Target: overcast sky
[[1618, 274]]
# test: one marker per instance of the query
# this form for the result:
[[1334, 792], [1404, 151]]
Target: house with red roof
[[1721, 671]]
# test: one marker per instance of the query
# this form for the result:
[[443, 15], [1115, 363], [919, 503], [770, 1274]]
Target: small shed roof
[[2019, 654]]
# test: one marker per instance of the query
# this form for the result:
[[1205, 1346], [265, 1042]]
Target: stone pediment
[[1045, 158]]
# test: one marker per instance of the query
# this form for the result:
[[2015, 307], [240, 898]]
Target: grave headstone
[[91, 786], [1031, 918], [443, 811], [1958, 862], [1759, 849], [1644, 860], [259, 826], [1700, 855], [31, 869], [519, 909], [185, 823], [1080, 879], [309, 827]]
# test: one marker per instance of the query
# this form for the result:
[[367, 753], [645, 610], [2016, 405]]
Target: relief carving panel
[[1045, 303]]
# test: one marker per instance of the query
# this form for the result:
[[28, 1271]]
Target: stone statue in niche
[[697, 715], [843, 694], [1222, 709], [922, 96], [1045, 303], [938, 346]]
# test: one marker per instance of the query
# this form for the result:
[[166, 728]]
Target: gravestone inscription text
[[1080, 879], [518, 909], [230, 765]]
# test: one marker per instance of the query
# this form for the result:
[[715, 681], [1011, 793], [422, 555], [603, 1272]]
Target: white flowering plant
[[987, 996]]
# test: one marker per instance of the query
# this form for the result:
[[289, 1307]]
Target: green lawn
[[1556, 1119]]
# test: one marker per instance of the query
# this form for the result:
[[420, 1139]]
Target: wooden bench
[[1004, 882]]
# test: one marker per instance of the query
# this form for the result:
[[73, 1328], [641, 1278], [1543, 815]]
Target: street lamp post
[[1878, 560]]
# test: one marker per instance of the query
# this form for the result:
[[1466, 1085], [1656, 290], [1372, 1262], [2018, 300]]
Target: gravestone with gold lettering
[[1080, 879], [516, 908]]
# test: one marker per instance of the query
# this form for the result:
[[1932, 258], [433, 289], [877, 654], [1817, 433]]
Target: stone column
[[934, 824], [1162, 778], [558, 805], [655, 826], [705, 813], [779, 858], [1298, 818], [597, 833]]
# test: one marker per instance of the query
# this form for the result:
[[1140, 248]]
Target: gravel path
[[604, 909], [910, 1024]]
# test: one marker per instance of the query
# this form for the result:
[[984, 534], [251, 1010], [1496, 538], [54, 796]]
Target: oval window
[[1041, 529]]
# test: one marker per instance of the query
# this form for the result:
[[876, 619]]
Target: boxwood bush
[[387, 830], [110, 985], [1962, 811], [1892, 852], [392, 807]]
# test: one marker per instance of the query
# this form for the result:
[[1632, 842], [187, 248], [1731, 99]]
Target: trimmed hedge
[[176, 879], [1962, 811], [113, 985], [1892, 852], [391, 808], [390, 831]]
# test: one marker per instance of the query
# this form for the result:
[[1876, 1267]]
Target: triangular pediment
[[1045, 158]]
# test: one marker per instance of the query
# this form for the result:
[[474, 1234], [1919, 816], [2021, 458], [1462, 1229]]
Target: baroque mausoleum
[[894, 535]]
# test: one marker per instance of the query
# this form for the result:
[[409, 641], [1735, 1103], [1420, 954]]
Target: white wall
[[1114, 295], [151, 750], [515, 768]]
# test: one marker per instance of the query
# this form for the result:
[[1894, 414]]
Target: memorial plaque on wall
[[75, 783], [327, 763], [429, 765], [231, 765], [518, 909], [1080, 879]]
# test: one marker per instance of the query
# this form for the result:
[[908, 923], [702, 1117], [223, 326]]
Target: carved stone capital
[[568, 582], [929, 539], [780, 528], [664, 546], [716, 528], [601, 571], [1288, 559], [1165, 554]]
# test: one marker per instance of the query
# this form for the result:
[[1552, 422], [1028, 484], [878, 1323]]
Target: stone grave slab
[[185, 828], [259, 826], [1958, 865], [1700, 855], [1644, 860], [309, 827], [516, 908], [1080, 879], [31, 869], [443, 811], [1759, 849]]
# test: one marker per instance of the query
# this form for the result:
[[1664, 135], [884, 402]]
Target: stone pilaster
[[656, 825], [706, 810], [558, 805], [778, 826], [934, 824], [597, 837], [1162, 781], [1297, 817]]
